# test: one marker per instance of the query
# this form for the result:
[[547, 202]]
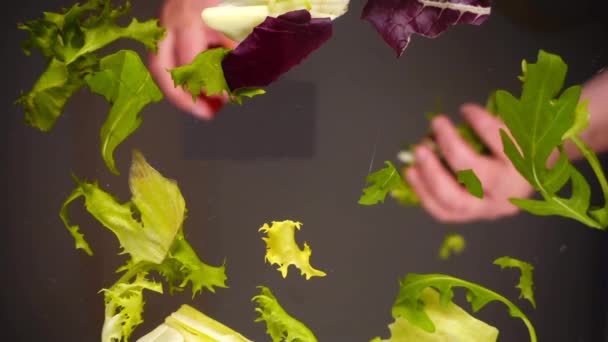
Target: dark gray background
[[360, 106]]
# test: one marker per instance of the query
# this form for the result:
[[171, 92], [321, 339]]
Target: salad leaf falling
[[412, 288], [469, 179], [382, 182], [526, 284], [150, 230], [453, 243], [451, 321], [540, 121], [69, 40], [397, 20], [282, 249], [279, 324]]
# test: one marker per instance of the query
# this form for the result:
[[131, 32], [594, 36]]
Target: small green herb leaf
[[526, 284], [452, 244], [383, 181], [470, 181]]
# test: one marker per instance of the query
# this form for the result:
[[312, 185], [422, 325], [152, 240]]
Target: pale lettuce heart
[[237, 18]]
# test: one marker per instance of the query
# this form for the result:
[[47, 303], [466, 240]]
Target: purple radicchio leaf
[[397, 20], [275, 46]]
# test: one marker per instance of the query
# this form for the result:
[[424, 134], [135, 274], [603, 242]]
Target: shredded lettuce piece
[[526, 283], [190, 325], [282, 249], [469, 179], [540, 121], [281, 326], [453, 243], [150, 230], [407, 304], [383, 181], [451, 321]]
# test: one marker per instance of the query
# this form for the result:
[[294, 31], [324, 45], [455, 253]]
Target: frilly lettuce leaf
[[68, 40], [237, 18], [383, 181], [190, 325], [206, 73], [397, 20], [453, 243], [407, 304], [149, 229], [452, 324], [282, 249], [126, 83], [279, 324], [526, 283]]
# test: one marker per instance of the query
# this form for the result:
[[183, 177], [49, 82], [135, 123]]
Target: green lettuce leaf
[[205, 73], [190, 325], [539, 121], [281, 326], [382, 182], [469, 179], [452, 324], [282, 249], [526, 283], [408, 306], [126, 83], [452, 244], [150, 230]]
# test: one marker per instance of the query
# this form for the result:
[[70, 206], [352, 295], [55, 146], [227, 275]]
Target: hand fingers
[[486, 125], [428, 200], [165, 59], [456, 151], [441, 184]]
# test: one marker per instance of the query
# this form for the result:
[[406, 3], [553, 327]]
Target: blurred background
[[300, 152]]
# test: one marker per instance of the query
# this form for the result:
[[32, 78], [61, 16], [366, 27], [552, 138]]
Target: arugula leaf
[[539, 121], [150, 230], [452, 323], [69, 39], [383, 181], [205, 72], [470, 181], [452, 244], [189, 324], [126, 83], [279, 324], [526, 283], [282, 249], [411, 290]]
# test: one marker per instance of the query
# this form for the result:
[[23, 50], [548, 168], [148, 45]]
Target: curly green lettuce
[[282, 249], [281, 326], [149, 229]]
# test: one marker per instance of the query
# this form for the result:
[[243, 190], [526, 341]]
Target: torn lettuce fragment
[[397, 20], [190, 325], [256, 62], [526, 282], [150, 231], [281, 326], [237, 18], [384, 181], [469, 179], [453, 243], [451, 321], [282, 249], [69, 39], [125, 82]]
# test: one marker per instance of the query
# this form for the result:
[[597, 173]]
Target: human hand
[[441, 194], [187, 36]]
